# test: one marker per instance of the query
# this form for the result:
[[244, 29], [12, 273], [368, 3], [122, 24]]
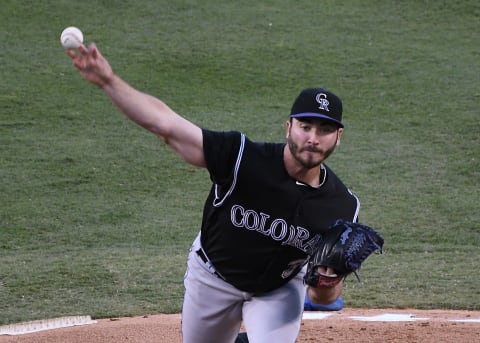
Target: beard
[[314, 156]]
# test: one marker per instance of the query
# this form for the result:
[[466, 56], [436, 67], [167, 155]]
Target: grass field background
[[97, 215]]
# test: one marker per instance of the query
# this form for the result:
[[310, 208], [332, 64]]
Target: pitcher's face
[[312, 140]]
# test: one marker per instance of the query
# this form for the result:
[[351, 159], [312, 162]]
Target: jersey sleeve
[[221, 150]]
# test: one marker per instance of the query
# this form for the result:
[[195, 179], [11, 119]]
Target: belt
[[203, 256]]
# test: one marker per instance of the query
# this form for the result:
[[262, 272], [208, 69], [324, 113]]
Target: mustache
[[312, 148]]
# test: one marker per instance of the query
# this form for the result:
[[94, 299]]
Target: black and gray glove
[[343, 248]]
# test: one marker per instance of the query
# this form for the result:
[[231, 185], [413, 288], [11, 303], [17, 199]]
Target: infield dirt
[[348, 325]]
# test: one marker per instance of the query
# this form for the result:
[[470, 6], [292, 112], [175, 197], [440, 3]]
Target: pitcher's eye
[[306, 127], [327, 128]]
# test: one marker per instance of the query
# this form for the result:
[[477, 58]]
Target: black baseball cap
[[319, 103]]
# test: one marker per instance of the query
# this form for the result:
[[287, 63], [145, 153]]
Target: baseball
[[71, 37]]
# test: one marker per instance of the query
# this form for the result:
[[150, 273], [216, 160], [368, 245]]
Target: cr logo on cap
[[322, 101]]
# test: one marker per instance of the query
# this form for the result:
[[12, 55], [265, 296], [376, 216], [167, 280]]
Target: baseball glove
[[343, 248]]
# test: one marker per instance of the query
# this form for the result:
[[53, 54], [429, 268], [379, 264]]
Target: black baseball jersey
[[259, 224]]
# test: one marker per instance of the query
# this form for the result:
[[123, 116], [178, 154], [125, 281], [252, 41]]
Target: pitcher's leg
[[277, 315], [212, 308]]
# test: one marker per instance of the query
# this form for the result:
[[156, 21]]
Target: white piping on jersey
[[323, 173], [355, 216], [217, 202]]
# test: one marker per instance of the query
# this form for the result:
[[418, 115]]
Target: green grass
[[96, 215]]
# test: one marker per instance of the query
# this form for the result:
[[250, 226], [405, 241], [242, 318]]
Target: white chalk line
[[386, 317], [45, 324]]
